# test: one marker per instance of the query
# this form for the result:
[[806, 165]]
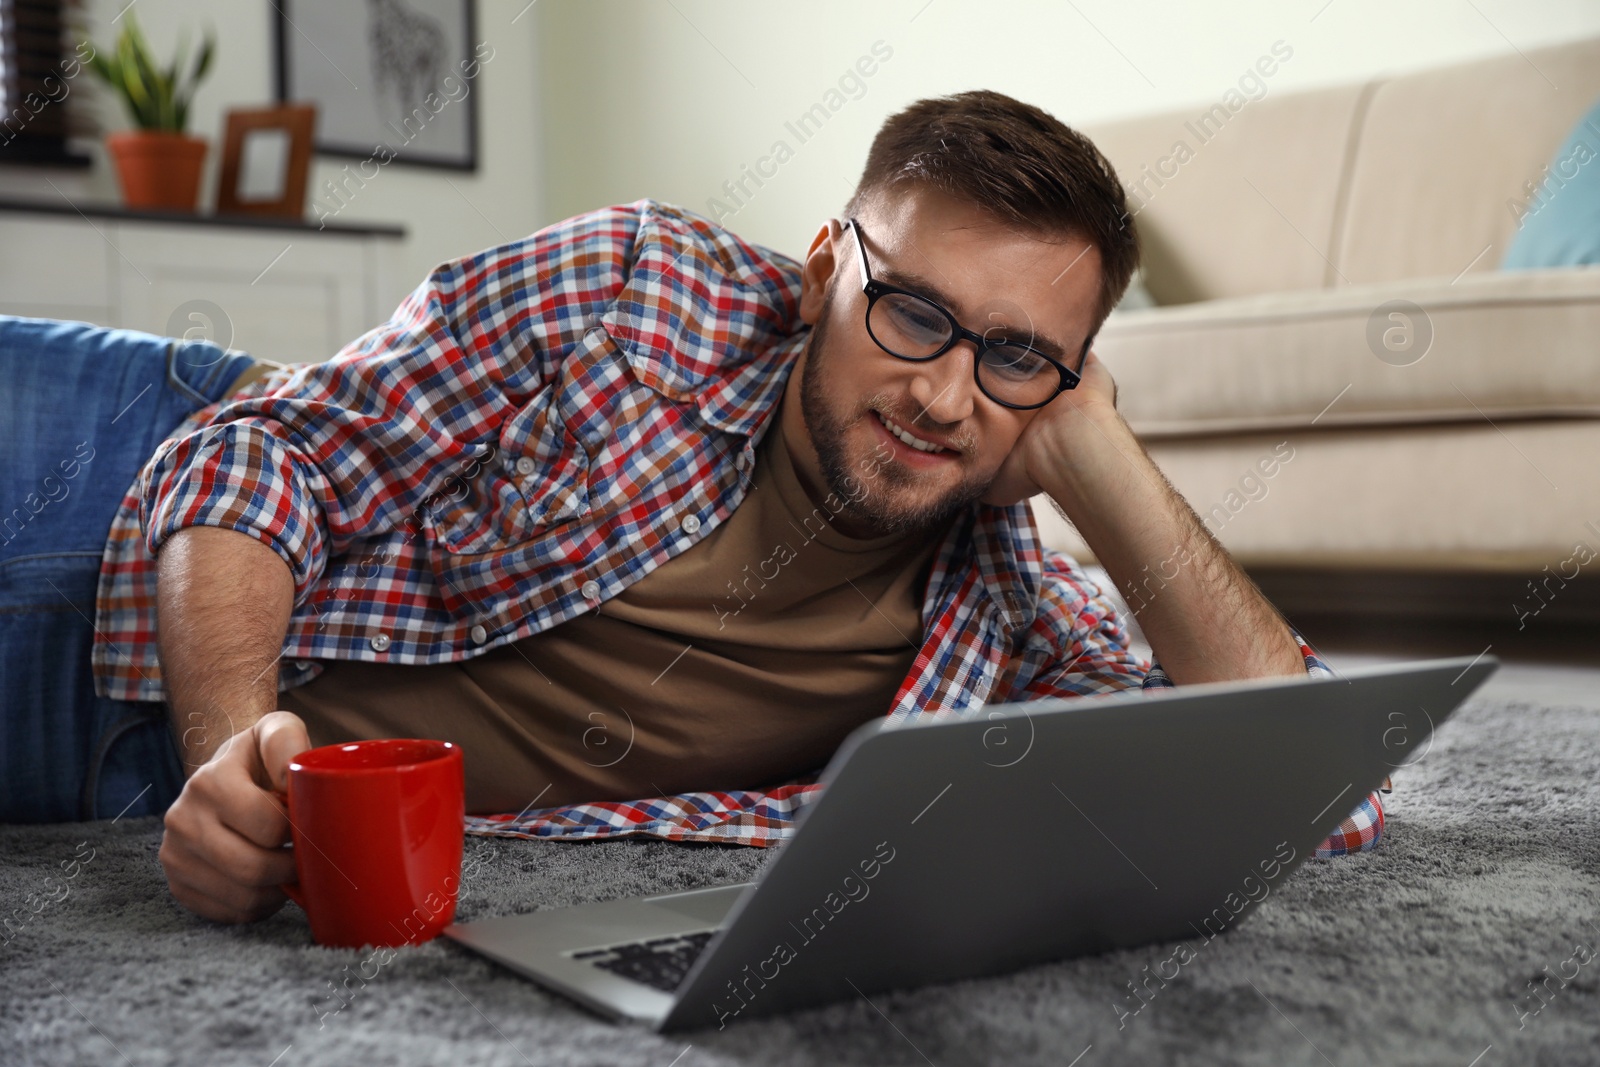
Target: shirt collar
[[742, 402]]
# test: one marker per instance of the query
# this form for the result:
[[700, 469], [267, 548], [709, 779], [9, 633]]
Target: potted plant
[[158, 164]]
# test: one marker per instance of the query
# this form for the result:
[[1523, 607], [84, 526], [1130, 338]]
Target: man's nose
[[943, 387]]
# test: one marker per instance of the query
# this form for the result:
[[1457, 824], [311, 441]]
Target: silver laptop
[[1030, 832]]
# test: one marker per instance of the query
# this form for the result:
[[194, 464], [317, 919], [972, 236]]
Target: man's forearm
[[1203, 616], [223, 604]]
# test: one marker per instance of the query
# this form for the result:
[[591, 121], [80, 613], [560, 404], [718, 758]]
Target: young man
[[632, 507]]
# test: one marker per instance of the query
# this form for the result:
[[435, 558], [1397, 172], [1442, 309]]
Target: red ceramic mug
[[377, 831]]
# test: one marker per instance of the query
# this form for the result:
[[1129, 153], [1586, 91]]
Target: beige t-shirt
[[742, 661]]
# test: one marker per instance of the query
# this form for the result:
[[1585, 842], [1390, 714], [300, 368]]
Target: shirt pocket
[[546, 467], [528, 479]]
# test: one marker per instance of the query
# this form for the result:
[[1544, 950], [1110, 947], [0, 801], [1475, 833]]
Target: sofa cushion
[[1512, 498], [1419, 175], [1561, 226], [1498, 345], [1220, 205], [1439, 172]]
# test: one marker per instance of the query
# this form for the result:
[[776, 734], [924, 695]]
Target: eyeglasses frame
[[875, 290]]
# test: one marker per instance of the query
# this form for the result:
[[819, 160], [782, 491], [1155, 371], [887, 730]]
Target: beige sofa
[[1272, 251]]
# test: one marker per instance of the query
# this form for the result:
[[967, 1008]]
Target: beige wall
[[673, 100], [592, 102]]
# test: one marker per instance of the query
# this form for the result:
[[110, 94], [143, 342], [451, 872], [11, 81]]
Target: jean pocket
[[49, 583]]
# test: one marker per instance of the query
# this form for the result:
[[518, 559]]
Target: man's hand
[[1204, 618], [1052, 432], [224, 599], [223, 847]]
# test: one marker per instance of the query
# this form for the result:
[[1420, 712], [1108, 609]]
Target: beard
[[891, 502]]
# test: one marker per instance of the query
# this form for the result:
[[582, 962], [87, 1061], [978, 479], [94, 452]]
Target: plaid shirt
[[537, 427]]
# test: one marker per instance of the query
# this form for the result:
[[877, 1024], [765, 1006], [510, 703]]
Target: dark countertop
[[248, 222]]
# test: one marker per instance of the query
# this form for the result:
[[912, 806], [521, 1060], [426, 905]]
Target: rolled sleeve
[[1358, 833], [237, 476], [1076, 644]]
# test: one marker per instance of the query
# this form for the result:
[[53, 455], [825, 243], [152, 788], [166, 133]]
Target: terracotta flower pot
[[158, 169]]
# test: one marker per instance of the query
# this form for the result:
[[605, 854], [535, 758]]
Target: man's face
[[1028, 287]]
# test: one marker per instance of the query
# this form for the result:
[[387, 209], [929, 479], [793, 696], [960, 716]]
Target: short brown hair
[[1016, 162]]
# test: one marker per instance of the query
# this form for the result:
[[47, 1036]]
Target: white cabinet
[[53, 269], [286, 292]]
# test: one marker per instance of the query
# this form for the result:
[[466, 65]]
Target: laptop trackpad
[[706, 905]]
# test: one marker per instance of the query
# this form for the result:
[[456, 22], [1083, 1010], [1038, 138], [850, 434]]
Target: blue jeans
[[81, 409]]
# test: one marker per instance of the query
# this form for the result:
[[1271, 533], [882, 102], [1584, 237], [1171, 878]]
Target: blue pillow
[[1560, 218]]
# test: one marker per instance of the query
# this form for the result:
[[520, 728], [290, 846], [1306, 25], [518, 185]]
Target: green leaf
[[177, 61], [132, 82], [157, 86], [157, 98], [202, 66], [185, 94]]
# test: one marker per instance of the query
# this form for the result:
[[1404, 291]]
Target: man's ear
[[818, 269]]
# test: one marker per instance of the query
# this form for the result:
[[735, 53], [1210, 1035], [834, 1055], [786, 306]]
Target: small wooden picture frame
[[266, 161]]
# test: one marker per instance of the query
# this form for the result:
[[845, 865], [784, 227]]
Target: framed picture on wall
[[394, 81]]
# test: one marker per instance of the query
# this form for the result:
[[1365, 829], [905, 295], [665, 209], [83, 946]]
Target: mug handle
[[292, 889]]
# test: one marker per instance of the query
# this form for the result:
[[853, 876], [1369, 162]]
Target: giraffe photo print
[[393, 79]]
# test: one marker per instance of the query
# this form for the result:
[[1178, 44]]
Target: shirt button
[[379, 642], [478, 634], [525, 466], [302, 664], [742, 460], [590, 589], [690, 524]]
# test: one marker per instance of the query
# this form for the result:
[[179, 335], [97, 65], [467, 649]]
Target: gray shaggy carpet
[[1468, 938]]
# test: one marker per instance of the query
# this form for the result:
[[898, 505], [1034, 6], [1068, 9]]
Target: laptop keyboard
[[659, 963]]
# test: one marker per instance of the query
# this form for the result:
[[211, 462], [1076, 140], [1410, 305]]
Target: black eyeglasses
[[912, 327]]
